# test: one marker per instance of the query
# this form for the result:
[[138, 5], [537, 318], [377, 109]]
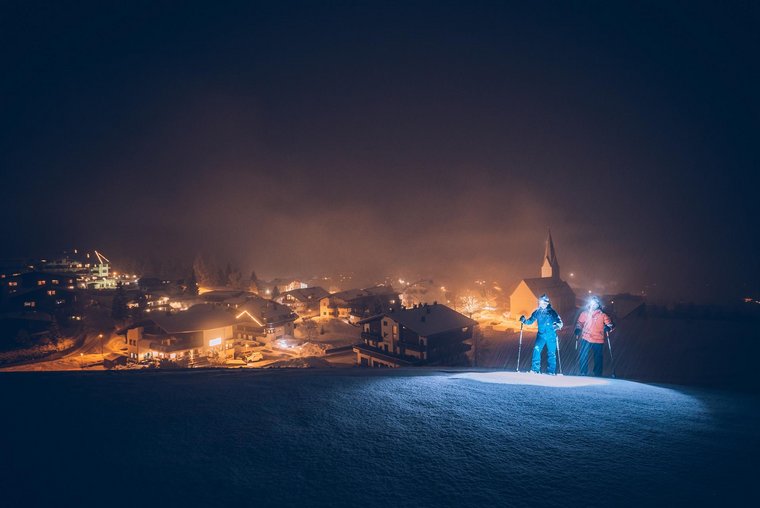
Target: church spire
[[550, 266]]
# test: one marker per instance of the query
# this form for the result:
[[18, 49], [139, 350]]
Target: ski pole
[[519, 348], [559, 358], [609, 345]]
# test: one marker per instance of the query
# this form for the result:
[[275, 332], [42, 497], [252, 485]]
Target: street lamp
[[100, 336]]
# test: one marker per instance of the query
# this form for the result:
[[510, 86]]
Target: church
[[523, 299]]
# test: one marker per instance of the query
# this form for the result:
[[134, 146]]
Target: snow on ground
[[693, 352], [370, 438]]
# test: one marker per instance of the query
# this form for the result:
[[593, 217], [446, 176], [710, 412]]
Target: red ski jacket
[[591, 325]]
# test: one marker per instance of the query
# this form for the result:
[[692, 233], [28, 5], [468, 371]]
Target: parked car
[[256, 356]]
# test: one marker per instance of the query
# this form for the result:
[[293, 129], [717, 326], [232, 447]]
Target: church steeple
[[550, 267]]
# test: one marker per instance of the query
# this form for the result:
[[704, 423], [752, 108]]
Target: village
[[78, 313]]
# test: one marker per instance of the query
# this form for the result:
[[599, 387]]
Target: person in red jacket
[[591, 326]]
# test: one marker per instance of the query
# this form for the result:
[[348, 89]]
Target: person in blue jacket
[[549, 323]]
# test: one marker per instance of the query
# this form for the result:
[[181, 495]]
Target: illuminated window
[[13, 283], [215, 342], [51, 292], [40, 282], [54, 281], [30, 304]]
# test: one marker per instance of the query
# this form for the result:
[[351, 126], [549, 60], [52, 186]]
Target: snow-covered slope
[[369, 438]]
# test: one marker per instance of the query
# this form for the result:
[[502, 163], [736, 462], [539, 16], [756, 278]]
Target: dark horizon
[[384, 138]]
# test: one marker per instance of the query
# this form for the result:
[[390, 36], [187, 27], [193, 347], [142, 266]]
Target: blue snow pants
[[550, 341]]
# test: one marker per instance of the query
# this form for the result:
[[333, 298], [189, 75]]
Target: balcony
[[372, 336]]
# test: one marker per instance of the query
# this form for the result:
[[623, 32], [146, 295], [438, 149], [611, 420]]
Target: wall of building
[[522, 301]]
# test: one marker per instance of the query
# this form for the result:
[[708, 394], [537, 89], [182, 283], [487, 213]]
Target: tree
[[275, 292], [253, 283], [469, 304], [202, 271], [192, 285], [235, 279], [119, 304]]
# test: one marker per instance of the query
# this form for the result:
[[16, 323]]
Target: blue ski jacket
[[548, 321]]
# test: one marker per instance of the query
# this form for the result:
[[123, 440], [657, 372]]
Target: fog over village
[[424, 254]]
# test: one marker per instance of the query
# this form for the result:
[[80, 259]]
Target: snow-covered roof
[[307, 294], [353, 294], [427, 320], [197, 318], [266, 311]]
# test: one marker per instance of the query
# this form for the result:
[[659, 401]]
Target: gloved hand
[[522, 319], [557, 326], [608, 328], [577, 332]]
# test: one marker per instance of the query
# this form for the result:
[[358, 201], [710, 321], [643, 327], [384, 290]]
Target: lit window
[[51, 292], [30, 304], [54, 281], [40, 282]]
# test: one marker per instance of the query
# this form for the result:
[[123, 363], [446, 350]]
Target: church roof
[[549, 252], [539, 285]]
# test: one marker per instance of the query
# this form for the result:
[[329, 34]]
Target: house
[[303, 301], [56, 300], [228, 298], [522, 300], [422, 335], [276, 319], [356, 304], [278, 286], [202, 331], [33, 279]]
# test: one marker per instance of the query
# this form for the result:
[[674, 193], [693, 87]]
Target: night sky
[[442, 139]]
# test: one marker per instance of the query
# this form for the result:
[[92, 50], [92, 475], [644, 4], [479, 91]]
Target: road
[[85, 357]]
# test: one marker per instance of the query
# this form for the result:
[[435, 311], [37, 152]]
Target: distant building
[[276, 287], [277, 319], [201, 332], [34, 279], [303, 301], [523, 299], [36, 291], [356, 304], [423, 335]]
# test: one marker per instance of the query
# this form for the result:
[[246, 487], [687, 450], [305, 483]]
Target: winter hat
[[544, 297]]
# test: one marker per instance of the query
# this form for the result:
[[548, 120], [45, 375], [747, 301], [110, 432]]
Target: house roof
[[222, 295], [306, 294], [427, 320], [353, 294], [266, 311], [197, 318]]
